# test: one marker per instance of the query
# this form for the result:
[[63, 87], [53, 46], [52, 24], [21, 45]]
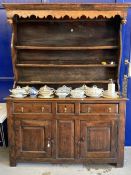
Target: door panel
[[33, 138], [65, 139], [98, 139]]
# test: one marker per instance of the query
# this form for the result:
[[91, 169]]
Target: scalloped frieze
[[61, 14]]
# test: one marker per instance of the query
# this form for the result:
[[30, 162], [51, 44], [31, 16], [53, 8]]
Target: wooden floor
[[48, 169]]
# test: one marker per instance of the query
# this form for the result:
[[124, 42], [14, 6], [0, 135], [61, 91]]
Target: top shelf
[[65, 48]]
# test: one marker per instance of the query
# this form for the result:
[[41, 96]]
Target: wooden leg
[[12, 163], [119, 164], [2, 135]]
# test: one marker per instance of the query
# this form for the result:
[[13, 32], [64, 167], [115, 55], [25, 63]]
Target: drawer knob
[[42, 109], [72, 30], [88, 109], [82, 139], [49, 143], [22, 109], [109, 109], [65, 109]]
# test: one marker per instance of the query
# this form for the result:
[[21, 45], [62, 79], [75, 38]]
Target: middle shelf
[[65, 48], [66, 65]]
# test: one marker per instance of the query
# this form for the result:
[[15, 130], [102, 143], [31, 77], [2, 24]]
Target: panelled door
[[98, 139], [33, 138], [65, 139]]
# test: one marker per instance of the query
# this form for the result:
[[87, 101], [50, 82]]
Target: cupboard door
[[33, 138], [98, 139], [65, 139]]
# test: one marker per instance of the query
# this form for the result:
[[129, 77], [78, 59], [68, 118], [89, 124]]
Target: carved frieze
[[73, 11], [61, 14]]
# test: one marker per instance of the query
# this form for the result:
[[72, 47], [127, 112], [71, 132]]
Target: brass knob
[[109, 109], [22, 109], [65, 109], [88, 109], [42, 109]]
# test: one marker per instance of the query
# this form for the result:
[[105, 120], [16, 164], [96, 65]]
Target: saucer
[[40, 96], [78, 97], [15, 96]]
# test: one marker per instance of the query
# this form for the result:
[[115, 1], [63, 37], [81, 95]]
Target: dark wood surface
[[67, 6], [77, 42], [66, 47], [61, 131]]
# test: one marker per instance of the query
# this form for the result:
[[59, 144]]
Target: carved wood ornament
[[73, 11]]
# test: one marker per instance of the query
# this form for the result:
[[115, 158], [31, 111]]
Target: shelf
[[64, 82], [65, 66], [65, 48]]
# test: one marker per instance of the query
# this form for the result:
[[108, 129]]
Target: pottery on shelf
[[94, 91], [64, 89], [33, 92], [18, 90], [108, 94], [77, 93], [46, 91]]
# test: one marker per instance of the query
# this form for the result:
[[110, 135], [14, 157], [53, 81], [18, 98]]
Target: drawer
[[65, 108], [32, 108], [99, 108]]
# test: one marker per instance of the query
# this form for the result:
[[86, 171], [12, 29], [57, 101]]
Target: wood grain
[[60, 44]]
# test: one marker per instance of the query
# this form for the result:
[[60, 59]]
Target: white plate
[[78, 97], [40, 96], [106, 96], [14, 96], [94, 96]]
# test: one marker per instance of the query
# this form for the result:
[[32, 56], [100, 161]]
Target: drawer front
[[65, 108], [99, 108], [32, 108]]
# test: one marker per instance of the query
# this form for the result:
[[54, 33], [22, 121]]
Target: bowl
[[77, 93], [61, 94]]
